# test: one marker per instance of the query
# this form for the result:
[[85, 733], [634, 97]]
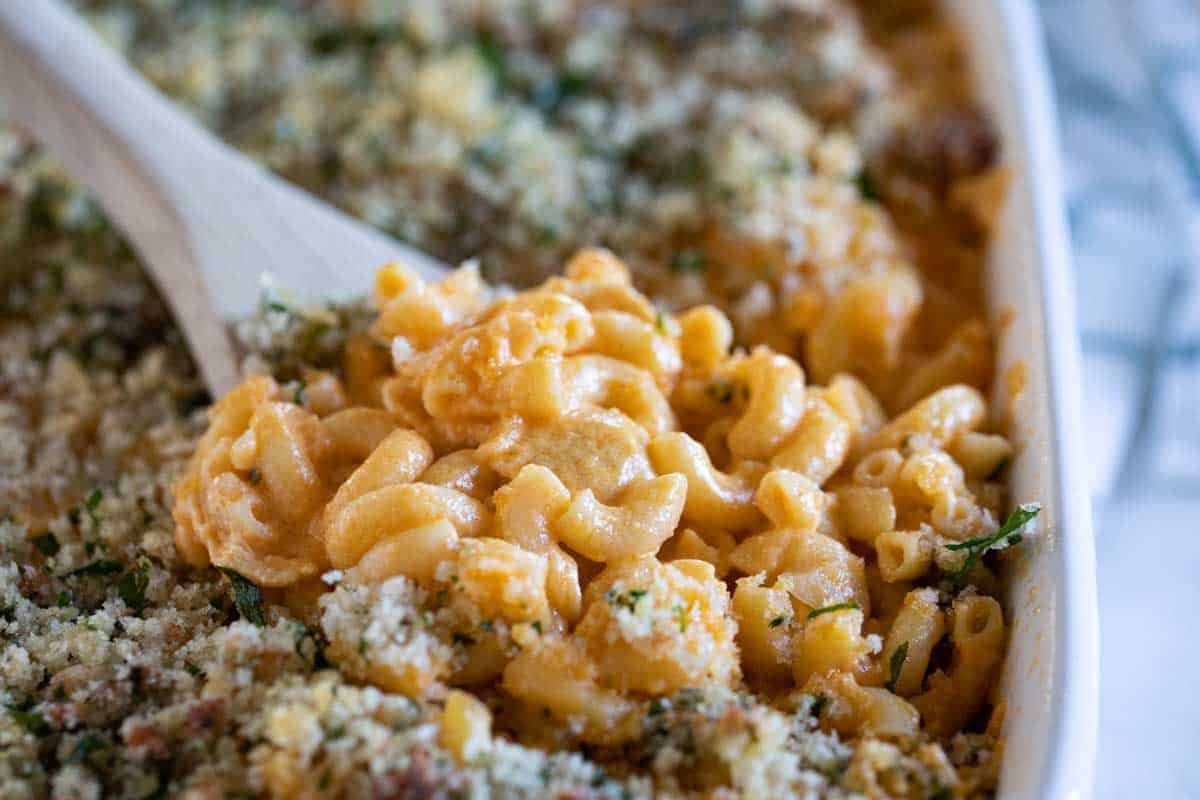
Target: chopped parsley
[[1007, 536], [866, 186], [550, 95], [88, 746], [132, 586], [492, 53], [681, 615], [627, 600], [46, 544], [31, 721], [817, 704], [102, 566], [692, 168], [300, 635], [778, 621], [688, 261], [782, 165], [270, 303], [849, 605], [895, 664], [246, 596], [90, 504]]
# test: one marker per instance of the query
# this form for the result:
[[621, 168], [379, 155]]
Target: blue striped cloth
[[1127, 79]]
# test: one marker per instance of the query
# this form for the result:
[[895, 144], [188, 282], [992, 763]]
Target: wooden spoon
[[207, 221]]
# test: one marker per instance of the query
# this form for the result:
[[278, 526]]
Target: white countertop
[[1127, 75]]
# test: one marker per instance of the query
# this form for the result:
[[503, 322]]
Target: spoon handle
[[109, 129], [207, 221]]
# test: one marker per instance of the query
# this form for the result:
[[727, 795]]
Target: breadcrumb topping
[[126, 673]]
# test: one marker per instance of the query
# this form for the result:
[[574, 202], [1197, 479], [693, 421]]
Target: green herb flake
[[895, 665], [549, 96], [692, 168], [850, 605], [782, 165], [627, 600], [817, 704], [103, 566], [688, 261], [46, 544], [492, 53], [93, 502], [132, 586], [1007, 536], [943, 793], [778, 621], [866, 186], [246, 596], [64, 600], [274, 304], [31, 721], [681, 615], [86, 748], [301, 393], [193, 670], [300, 635]]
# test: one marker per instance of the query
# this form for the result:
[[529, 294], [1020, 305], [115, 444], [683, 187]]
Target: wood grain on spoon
[[206, 221]]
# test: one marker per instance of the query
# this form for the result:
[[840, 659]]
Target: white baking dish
[[1051, 681]]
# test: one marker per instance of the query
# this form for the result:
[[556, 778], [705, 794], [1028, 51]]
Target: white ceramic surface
[[1051, 681]]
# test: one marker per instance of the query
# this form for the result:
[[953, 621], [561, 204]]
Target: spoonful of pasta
[[207, 221]]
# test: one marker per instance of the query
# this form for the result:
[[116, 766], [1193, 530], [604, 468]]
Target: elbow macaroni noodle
[[607, 503]]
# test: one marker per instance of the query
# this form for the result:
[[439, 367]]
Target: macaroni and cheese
[[602, 504], [711, 525]]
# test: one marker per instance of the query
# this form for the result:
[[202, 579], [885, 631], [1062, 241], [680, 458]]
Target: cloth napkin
[[1127, 80]]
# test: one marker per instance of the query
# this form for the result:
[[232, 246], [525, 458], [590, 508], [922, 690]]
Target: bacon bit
[[207, 715], [146, 740], [420, 780], [36, 586]]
